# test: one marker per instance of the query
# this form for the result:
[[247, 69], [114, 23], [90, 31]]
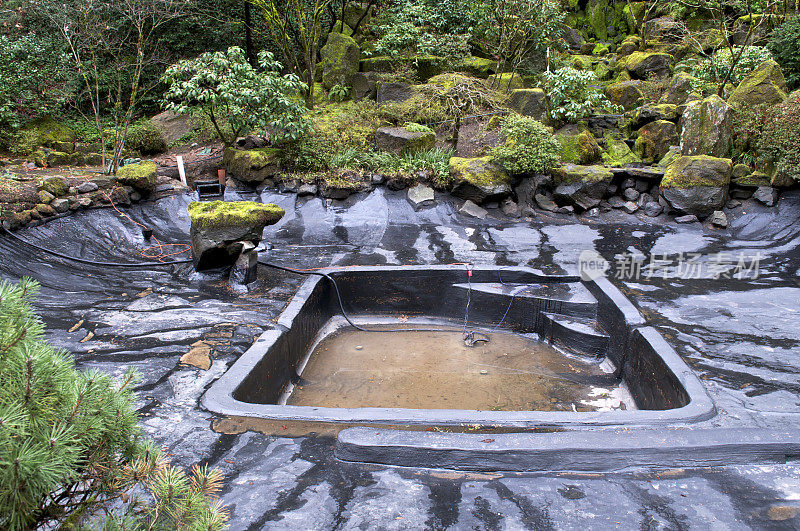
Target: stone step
[[576, 334]]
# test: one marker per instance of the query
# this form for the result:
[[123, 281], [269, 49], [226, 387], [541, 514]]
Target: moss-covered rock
[[617, 152], [44, 131], [680, 86], [581, 186], [628, 94], [697, 184], [579, 149], [340, 60], [706, 128], [765, 84], [400, 140], [630, 44], [219, 228], [529, 102], [606, 18], [379, 63], [751, 180], [477, 66], [601, 48], [253, 165], [643, 65], [655, 140], [506, 82], [141, 176], [54, 185], [479, 179]]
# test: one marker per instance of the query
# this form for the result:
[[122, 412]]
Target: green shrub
[[780, 140], [529, 146], [573, 94], [716, 68], [785, 48], [69, 440], [417, 128], [339, 93], [146, 138]]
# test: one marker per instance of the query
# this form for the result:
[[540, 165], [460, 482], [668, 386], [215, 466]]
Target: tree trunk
[[248, 36]]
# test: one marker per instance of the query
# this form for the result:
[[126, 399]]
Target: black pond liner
[[663, 387]]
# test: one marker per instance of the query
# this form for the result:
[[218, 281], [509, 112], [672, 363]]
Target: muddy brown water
[[436, 370]]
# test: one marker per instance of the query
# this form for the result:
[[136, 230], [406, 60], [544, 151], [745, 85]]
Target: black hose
[[92, 262]]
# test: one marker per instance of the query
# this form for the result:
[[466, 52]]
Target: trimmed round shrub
[[529, 146]]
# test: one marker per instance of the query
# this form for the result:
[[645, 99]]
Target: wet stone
[[86, 187], [733, 203], [616, 202], [471, 209], [631, 194], [689, 218], [307, 189], [766, 195], [60, 205], [545, 203], [630, 207], [653, 209], [719, 219], [420, 195]]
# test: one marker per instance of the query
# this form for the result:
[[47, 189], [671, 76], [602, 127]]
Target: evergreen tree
[[70, 443]]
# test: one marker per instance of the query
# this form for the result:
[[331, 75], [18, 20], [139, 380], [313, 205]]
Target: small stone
[[719, 219], [644, 199], [359, 347], [630, 207], [593, 212], [484, 371], [471, 209], [569, 209], [45, 210], [420, 195], [616, 202], [377, 178], [653, 209], [629, 182], [136, 197], [689, 218], [60, 205], [780, 513], [766, 195], [733, 203], [307, 189], [510, 208], [199, 356], [545, 203], [86, 187], [741, 193], [631, 194]]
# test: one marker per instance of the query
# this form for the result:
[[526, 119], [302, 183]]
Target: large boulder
[[400, 140], [252, 166], [141, 176], [364, 86], [393, 91], [173, 126], [479, 179], [697, 184], [680, 86], [219, 229], [581, 186], [765, 84], [44, 131], [643, 65], [628, 94], [655, 140], [706, 128], [339, 62], [529, 102], [579, 149]]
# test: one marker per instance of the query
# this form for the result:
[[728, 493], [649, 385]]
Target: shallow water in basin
[[436, 370]]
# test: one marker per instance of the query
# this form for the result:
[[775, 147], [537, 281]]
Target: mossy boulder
[[399, 140], [655, 140], [399, 91], [252, 166], [706, 128], [643, 65], [606, 18], [765, 84], [680, 86], [529, 102], [141, 176], [580, 186], [628, 94], [617, 152], [506, 82], [697, 184], [477, 66], [220, 227], [44, 131], [380, 63], [340, 57], [479, 179], [54, 185], [630, 44], [579, 149]]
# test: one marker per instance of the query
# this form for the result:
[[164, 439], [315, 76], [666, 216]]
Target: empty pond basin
[[436, 370]]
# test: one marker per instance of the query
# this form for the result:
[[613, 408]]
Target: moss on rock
[[617, 152], [477, 66], [55, 186], [579, 149], [225, 214], [340, 60], [642, 65], [44, 131], [252, 165], [765, 84], [479, 179], [507, 81], [698, 170], [655, 140], [628, 94], [141, 176]]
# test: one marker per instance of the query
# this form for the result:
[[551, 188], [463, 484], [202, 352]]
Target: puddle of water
[[436, 370]]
